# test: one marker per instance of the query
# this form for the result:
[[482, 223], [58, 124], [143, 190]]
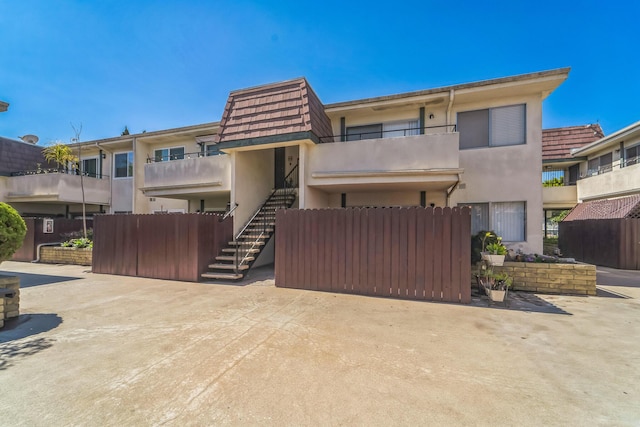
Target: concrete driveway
[[93, 349]]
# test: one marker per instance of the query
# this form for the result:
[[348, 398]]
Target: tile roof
[[624, 207], [557, 143], [275, 109]]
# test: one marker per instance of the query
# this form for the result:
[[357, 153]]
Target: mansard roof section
[[4, 106], [557, 143], [273, 113]]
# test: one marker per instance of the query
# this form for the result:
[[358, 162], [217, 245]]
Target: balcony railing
[[618, 164], [415, 131], [62, 171], [182, 156]]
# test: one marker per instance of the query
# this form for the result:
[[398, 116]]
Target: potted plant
[[493, 252], [495, 285]]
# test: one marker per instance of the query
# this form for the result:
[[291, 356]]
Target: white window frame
[[132, 165]]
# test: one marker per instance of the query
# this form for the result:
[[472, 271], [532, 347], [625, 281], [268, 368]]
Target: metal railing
[[261, 229], [182, 156], [414, 131], [60, 171], [618, 164]]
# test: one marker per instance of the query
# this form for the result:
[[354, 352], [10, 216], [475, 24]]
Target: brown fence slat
[[415, 253]]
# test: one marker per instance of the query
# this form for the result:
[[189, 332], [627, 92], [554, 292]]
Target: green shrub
[[12, 231], [78, 243]]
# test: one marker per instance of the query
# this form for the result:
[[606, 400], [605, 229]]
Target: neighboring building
[[561, 170], [610, 166], [477, 144]]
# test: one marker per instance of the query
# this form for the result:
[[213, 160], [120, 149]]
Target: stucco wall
[[618, 182], [122, 193], [507, 174], [253, 181]]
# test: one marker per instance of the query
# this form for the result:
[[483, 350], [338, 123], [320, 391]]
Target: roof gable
[[278, 109]]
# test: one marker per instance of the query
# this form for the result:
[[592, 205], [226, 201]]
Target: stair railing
[[291, 183]]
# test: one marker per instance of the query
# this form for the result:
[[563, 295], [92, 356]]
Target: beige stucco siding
[[253, 181], [507, 174]]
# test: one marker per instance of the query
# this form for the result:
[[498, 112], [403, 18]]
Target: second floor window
[[123, 165], [89, 167], [492, 127], [383, 130], [166, 154]]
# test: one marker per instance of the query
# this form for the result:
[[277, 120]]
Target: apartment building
[[610, 167], [477, 144]]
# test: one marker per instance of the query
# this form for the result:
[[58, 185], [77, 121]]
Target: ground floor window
[[507, 219]]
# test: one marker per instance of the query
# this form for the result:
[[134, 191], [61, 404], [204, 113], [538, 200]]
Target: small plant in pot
[[495, 251], [495, 285]]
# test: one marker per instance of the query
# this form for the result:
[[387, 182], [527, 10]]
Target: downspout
[[451, 189], [135, 172], [110, 176], [41, 245], [452, 95]]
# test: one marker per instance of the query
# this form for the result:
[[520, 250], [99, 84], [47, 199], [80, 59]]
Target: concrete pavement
[[93, 349]]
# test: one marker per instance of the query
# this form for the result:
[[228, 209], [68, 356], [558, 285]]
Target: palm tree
[[59, 153]]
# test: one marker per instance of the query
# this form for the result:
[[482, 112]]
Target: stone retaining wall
[[59, 255], [9, 307], [575, 279]]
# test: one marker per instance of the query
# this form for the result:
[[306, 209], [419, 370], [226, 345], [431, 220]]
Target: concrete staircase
[[234, 260]]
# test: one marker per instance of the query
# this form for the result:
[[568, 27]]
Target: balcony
[[420, 162], [562, 197], [58, 188], [191, 175], [618, 179]]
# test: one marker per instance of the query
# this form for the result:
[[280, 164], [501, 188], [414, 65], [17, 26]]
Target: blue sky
[[154, 65]]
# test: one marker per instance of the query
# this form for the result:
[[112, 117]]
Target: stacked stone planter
[[570, 279], [60, 255], [9, 307]]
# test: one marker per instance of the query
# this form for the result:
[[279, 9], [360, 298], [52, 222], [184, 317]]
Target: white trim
[[115, 153]]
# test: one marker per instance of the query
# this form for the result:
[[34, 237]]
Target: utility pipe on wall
[[452, 94]]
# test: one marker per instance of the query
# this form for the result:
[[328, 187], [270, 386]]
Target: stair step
[[251, 242], [223, 276], [233, 251], [233, 258], [254, 236], [218, 266]]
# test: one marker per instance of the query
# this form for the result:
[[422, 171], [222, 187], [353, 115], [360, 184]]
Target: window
[[89, 167], [631, 155], [600, 164], [356, 133], [166, 154], [404, 128], [507, 219], [213, 150], [574, 174], [383, 130], [493, 127], [123, 165]]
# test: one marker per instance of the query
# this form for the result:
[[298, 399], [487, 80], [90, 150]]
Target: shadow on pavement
[[26, 325], [521, 301], [28, 280]]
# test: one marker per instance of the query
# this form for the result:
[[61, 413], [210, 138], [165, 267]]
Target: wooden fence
[[412, 253], [168, 246], [608, 242], [35, 235]]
